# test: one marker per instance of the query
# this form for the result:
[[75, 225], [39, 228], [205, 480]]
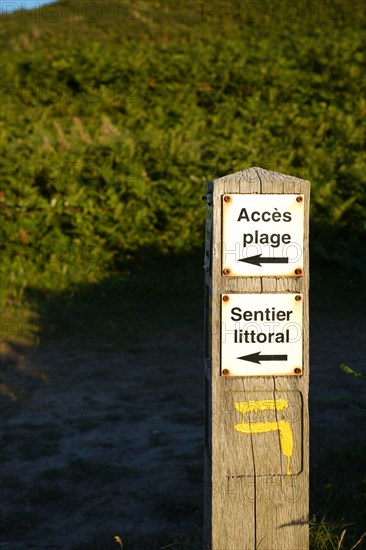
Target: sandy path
[[98, 442]]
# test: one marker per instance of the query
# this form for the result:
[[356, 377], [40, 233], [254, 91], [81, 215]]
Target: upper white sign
[[262, 235]]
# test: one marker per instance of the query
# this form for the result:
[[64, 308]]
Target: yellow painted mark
[[282, 426]]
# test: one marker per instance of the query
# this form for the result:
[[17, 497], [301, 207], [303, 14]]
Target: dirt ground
[[103, 443], [99, 442]]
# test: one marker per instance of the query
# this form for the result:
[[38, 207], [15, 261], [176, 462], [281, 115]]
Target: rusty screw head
[[299, 199], [227, 198], [298, 271], [297, 370], [225, 298], [225, 371], [226, 271], [298, 298]]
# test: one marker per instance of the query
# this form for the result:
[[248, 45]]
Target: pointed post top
[[261, 179]]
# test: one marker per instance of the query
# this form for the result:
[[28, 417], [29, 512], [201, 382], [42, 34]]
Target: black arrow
[[258, 260], [257, 357]]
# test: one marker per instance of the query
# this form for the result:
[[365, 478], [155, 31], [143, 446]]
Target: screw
[[225, 371], [298, 298], [226, 271], [225, 298], [297, 370], [298, 271], [227, 198], [299, 199]]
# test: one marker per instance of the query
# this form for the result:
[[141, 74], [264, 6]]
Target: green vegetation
[[325, 537], [338, 487], [348, 370], [114, 118]]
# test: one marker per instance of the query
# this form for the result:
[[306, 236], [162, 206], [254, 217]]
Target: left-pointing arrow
[[257, 357], [259, 260]]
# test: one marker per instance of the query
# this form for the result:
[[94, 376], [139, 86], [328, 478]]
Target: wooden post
[[256, 362]]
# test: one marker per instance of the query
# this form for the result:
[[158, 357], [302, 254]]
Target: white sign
[[262, 235], [261, 334]]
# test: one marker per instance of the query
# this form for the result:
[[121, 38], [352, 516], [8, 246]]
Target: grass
[[114, 312], [326, 535], [338, 495]]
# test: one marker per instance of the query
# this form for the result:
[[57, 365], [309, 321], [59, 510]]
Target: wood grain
[[250, 502]]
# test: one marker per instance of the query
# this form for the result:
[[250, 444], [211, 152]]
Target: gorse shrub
[[114, 118]]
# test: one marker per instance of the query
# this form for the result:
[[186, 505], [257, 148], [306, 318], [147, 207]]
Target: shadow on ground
[[102, 402], [103, 432]]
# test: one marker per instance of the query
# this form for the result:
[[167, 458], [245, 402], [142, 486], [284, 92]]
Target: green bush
[[115, 119]]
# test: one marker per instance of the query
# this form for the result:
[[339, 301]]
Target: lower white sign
[[261, 334]]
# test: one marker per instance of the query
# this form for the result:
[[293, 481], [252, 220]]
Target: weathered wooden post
[[257, 362]]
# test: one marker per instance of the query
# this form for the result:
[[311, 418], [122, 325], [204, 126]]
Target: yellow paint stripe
[[282, 426]]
